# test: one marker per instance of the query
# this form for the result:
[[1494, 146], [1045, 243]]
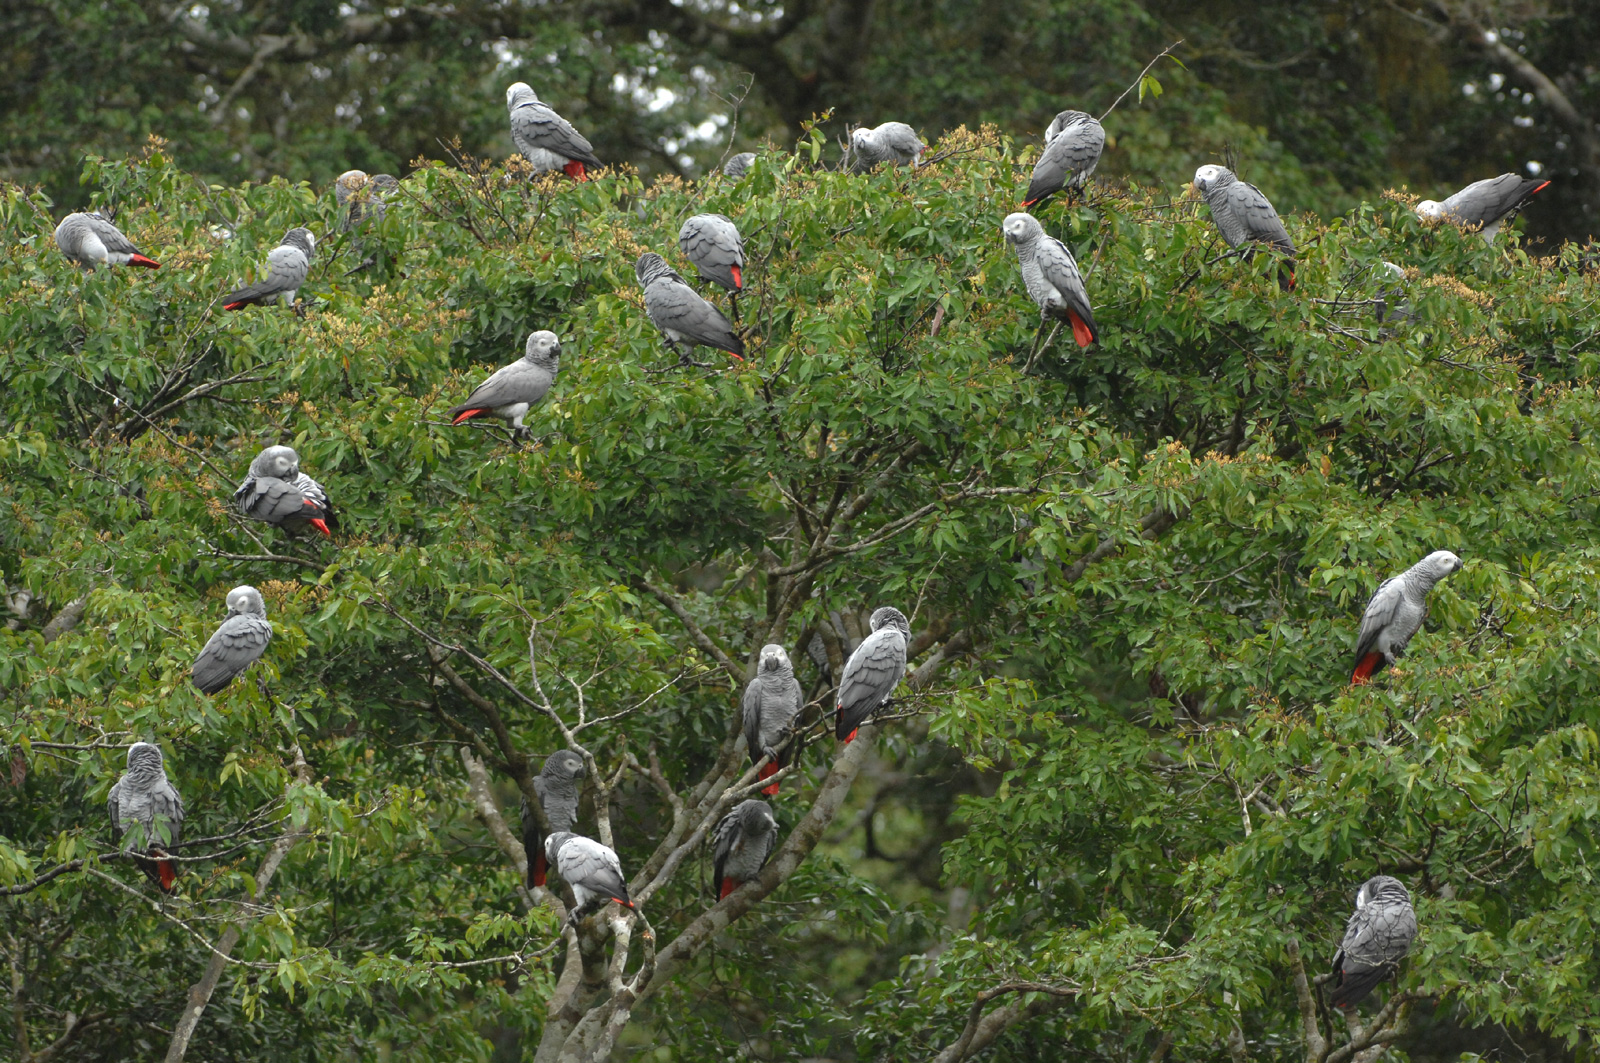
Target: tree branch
[[981, 1029]]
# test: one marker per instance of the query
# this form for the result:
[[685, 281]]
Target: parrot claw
[[299, 308]]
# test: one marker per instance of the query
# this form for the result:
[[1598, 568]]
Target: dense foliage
[[1128, 776]]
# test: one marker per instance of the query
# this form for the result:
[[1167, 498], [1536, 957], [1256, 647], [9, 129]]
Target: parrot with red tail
[[873, 671], [1396, 612], [740, 845], [546, 139], [88, 240], [771, 704], [513, 389], [147, 814], [557, 784], [277, 492]]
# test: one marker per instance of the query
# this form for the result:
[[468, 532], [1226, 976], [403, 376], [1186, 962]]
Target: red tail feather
[[1364, 670], [766, 773], [169, 874], [1541, 188], [625, 904], [1080, 331], [140, 260], [322, 526], [236, 306], [851, 737], [728, 886], [574, 169], [540, 870], [464, 415], [738, 281], [1026, 203]]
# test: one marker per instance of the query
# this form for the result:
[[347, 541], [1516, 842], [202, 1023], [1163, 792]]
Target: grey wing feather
[[870, 676], [270, 499], [287, 268], [713, 244], [676, 306], [168, 808], [1058, 267], [1379, 614], [595, 871], [1067, 161], [752, 722], [111, 236], [237, 644], [517, 382], [112, 809], [542, 127], [1255, 214]]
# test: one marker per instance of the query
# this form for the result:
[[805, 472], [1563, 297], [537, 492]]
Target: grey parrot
[[238, 642], [739, 165], [277, 492], [1396, 612], [740, 845], [288, 264], [1376, 939], [1072, 150], [772, 702], [873, 671], [1484, 203], [363, 196], [88, 240], [146, 812], [712, 242], [544, 138], [1244, 216], [680, 313], [893, 142], [591, 869], [513, 389], [557, 784], [1051, 275]]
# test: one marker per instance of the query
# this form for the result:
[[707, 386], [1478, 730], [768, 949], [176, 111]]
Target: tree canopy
[[1329, 102], [1119, 810]]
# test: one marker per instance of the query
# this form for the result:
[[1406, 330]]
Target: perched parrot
[[873, 671], [772, 702], [1051, 275], [363, 196], [558, 785], [1376, 939], [513, 389], [546, 139], [591, 869], [1244, 216], [1485, 204], [740, 845], [1396, 612], [288, 264], [88, 240], [684, 318], [277, 492], [893, 142], [147, 814], [1072, 150], [238, 642], [712, 242]]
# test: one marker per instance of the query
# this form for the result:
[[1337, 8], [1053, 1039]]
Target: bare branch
[[981, 1029]]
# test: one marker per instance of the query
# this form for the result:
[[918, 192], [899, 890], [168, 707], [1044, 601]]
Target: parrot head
[[1430, 210], [774, 659], [519, 94], [1208, 177], [1380, 885], [650, 266], [889, 616], [543, 348], [279, 462], [564, 763], [1441, 563], [553, 844], [349, 183], [1062, 122], [1020, 228], [144, 755], [246, 600]]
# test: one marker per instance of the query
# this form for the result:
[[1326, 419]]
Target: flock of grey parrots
[[146, 811]]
